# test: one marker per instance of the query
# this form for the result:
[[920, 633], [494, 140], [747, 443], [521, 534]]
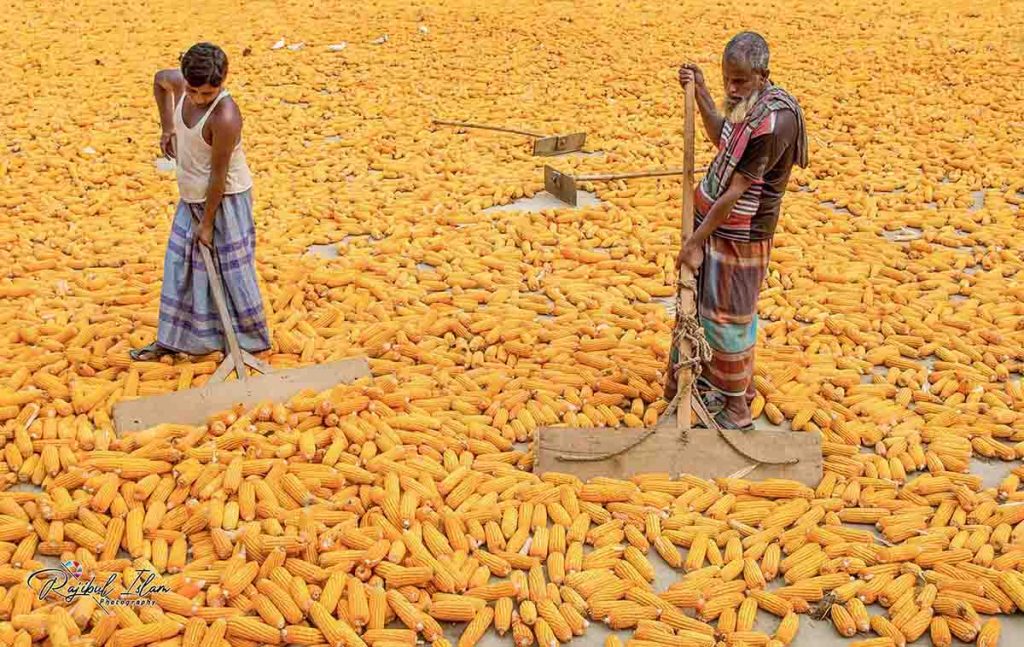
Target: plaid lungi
[[188, 315], [728, 284]]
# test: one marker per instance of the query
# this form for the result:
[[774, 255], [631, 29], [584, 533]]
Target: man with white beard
[[759, 134]]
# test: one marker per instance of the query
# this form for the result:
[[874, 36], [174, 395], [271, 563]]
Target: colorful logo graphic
[[73, 568]]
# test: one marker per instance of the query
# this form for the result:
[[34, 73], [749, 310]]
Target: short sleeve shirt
[[768, 160]]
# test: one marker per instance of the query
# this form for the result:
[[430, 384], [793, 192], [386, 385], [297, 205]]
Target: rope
[[687, 328], [590, 458], [710, 422]]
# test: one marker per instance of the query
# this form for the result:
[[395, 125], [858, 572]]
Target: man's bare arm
[[225, 128], [168, 85], [713, 121], [709, 115], [690, 253], [719, 212]]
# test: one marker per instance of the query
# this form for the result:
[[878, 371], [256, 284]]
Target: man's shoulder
[[226, 115], [783, 123]]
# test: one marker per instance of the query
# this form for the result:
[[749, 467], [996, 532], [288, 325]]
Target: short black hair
[[204, 63], [749, 48]]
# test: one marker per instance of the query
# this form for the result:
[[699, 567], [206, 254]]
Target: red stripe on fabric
[[729, 374], [701, 202]]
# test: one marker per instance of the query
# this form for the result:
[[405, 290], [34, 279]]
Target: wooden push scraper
[[673, 446], [543, 145], [194, 406], [563, 186]]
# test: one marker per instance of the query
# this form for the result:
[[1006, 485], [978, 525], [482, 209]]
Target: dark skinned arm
[[709, 115], [168, 85], [691, 252], [225, 130]]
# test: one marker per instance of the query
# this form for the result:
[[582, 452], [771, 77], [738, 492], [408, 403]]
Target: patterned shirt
[[767, 161]]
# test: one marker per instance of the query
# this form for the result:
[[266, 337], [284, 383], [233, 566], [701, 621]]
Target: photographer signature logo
[[67, 583]]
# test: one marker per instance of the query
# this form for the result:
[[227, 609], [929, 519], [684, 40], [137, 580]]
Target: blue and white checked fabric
[[188, 315]]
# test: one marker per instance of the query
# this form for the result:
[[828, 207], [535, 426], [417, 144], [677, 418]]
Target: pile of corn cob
[[332, 519]]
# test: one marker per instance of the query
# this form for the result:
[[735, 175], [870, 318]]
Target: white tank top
[[194, 158]]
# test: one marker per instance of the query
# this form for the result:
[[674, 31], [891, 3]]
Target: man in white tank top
[[202, 131]]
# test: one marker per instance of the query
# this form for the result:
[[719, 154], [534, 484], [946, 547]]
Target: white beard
[[738, 113]]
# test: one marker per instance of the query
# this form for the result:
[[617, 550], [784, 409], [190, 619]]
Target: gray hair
[[748, 48]]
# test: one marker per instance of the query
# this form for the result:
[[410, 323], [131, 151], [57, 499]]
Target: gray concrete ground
[[329, 250]]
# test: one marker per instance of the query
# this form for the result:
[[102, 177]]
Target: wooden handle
[[222, 310], [626, 176], [687, 299], [499, 129], [688, 135]]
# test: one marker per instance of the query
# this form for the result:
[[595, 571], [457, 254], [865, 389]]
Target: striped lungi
[[189, 322], [728, 284]]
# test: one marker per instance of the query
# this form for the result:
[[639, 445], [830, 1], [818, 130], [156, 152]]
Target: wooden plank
[[688, 161], [224, 369], [560, 185], [708, 456], [704, 453], [194, 406], [256, 363], [658, 453]]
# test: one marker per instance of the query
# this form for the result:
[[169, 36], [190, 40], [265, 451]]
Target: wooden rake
[[195, 406], [543, 145]]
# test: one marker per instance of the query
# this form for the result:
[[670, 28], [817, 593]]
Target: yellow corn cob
[[668, 552], [528, 612], [727, 621], [746, 615], [989, 634], [279, 597], [1012, 585], [455, 608], [697, 553], [915, 627], [752, 575], [477, 627], [144, 634], [254, 630], [965, 630], [786, 631]]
